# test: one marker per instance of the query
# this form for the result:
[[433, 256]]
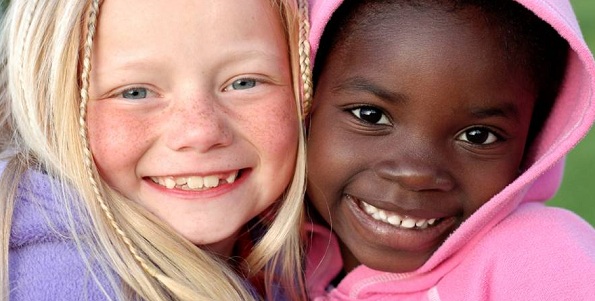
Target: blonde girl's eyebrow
[[131, 63], [148, 62], [239, 55]]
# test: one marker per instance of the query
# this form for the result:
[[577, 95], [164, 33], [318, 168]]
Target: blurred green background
[[575, 193]]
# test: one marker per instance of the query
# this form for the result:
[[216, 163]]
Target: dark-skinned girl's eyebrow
[[361, 84], [507, 110]]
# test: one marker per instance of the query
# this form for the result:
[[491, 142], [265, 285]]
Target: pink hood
[[570, 120]]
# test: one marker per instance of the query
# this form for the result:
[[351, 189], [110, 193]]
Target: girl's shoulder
[[39, 213], [47, 254]]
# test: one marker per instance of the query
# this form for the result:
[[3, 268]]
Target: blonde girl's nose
[[199, 125]]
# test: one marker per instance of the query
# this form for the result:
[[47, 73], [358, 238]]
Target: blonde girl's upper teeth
[[211, 181], [195, 182], [232, 177], [170, 183]]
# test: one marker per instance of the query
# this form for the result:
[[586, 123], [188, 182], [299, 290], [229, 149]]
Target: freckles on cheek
[[112, 138], [276, 128]]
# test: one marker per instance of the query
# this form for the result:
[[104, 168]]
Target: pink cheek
[[280, 134], [113, 139], [272, 126]]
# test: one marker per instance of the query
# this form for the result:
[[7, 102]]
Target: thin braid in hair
[[304, 57], [88, 161]]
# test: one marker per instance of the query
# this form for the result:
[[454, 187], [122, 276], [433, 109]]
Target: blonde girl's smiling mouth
[[196, 182]]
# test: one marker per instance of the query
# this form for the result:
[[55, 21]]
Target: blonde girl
[[152, 149]]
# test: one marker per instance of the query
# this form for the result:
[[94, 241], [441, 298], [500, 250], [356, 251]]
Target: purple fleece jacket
[[44, 261]]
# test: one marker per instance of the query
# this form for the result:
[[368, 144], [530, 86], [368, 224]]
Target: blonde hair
[[45, 52]]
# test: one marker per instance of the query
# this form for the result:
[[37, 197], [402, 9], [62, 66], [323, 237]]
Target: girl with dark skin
[[423, 113]]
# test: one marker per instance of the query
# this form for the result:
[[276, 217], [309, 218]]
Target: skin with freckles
[[194, 117], [413, 129]]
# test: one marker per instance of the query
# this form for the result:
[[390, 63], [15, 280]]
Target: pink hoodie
[[514, 247]]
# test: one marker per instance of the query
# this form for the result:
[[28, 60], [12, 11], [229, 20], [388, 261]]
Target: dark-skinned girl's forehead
[[527, 42]]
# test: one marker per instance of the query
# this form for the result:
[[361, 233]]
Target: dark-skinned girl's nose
[[415, 167]]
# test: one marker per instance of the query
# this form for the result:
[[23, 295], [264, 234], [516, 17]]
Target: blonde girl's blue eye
[[371, 115], [242, 84], [135, 93], [478, 135]]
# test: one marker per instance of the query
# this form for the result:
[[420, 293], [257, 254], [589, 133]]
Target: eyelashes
[[134, 93], [371, 115], [242, 84], [479, 136], [476, 135]]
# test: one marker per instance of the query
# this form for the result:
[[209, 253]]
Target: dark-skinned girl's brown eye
[[478, 135], [370, 114]]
